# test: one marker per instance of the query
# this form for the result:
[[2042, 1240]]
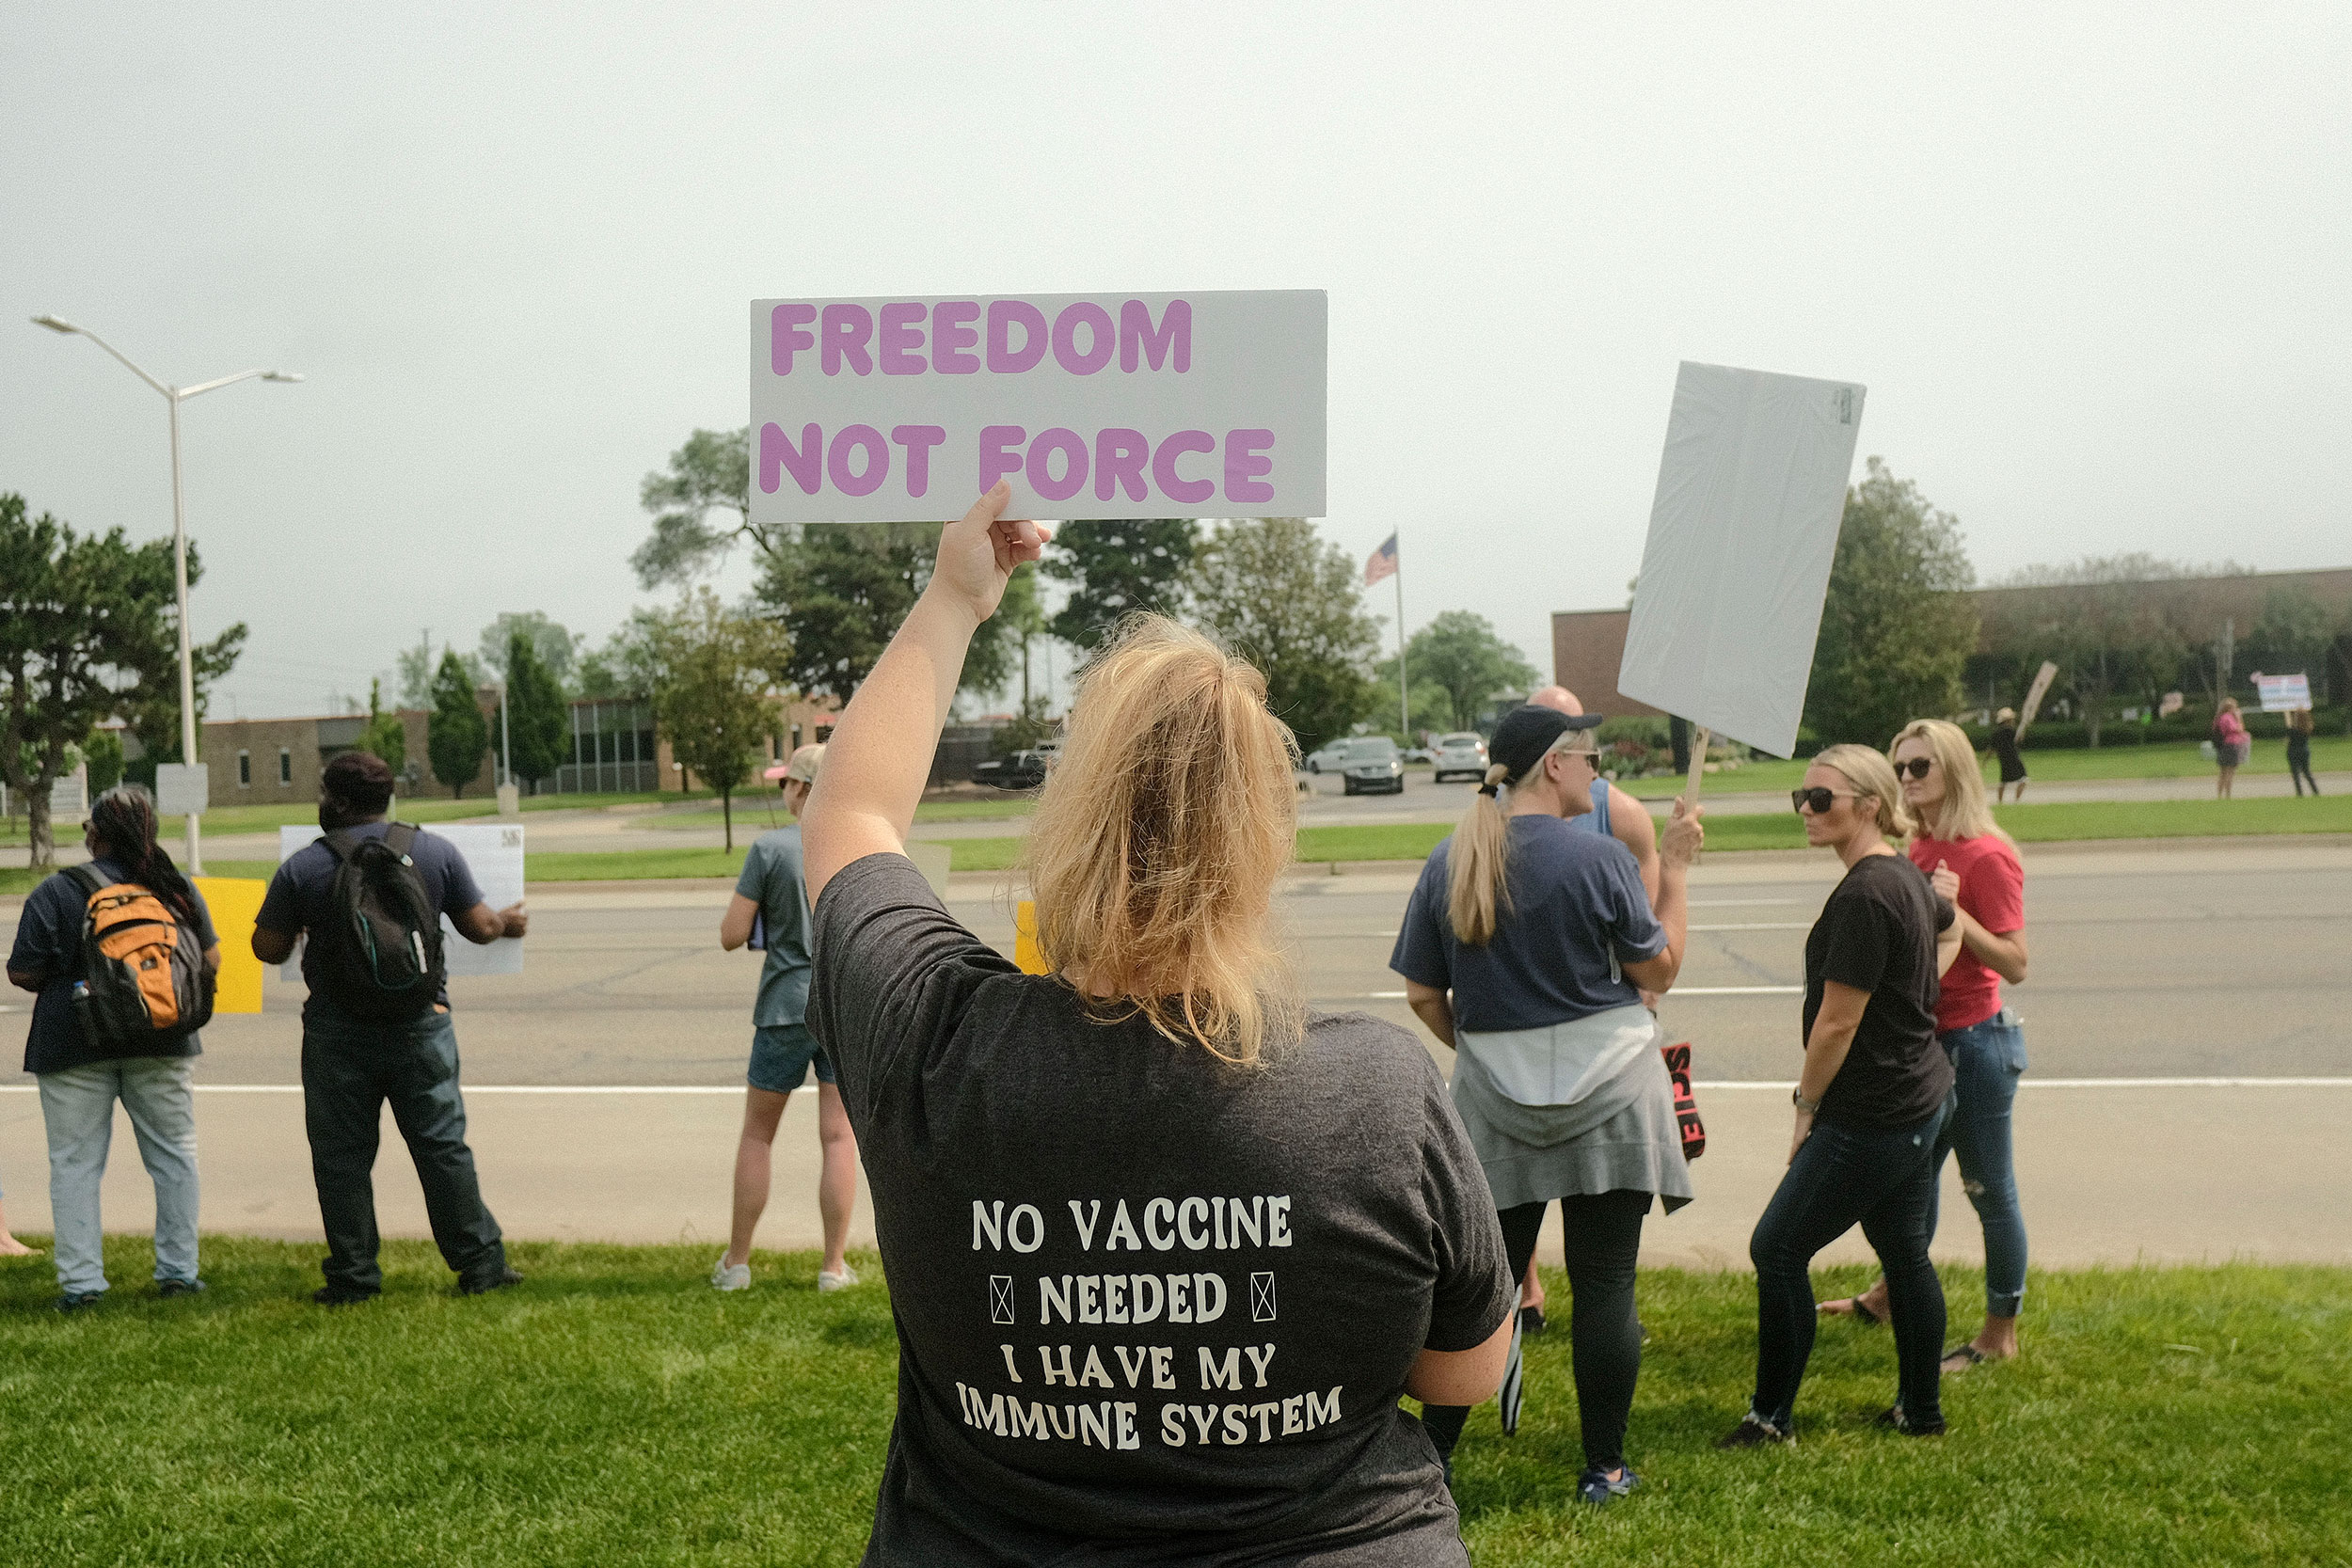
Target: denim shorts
[[781, 1056]]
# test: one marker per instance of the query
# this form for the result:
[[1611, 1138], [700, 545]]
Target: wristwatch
[[1796, 1098]]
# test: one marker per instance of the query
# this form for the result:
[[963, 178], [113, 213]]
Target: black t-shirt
[[301, 894], [1152, 1305], [1877, 933]]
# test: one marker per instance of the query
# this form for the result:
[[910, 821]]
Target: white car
[[1460, 755], [1329, 759]]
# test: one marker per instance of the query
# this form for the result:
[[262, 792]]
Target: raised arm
[[1677, 849], [880, 751]]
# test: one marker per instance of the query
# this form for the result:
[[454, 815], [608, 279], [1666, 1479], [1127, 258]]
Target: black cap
[[360, 780], [1527, 732]]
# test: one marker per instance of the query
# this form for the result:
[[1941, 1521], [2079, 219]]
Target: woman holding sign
[[1871, 1101], [1526, 948], [1165, 1247]]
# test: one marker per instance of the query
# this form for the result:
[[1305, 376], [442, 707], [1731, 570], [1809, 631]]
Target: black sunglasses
[[1818, 798], [1917, 767]]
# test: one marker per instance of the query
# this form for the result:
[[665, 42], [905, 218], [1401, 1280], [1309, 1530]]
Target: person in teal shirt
[[772, 903]]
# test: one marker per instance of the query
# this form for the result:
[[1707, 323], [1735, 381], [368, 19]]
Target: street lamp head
[[54, 324], [280, 376]]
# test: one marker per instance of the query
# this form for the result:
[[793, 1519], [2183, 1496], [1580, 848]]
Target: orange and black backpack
[[141, 986]]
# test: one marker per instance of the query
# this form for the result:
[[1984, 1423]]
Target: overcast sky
[[2092, 262]]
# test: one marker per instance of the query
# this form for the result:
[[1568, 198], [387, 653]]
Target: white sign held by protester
[[493, 854], [182, 788], [1751, 489], [1206, 405], [2034, 693], [2283, 694]]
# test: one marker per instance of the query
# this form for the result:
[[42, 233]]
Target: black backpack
[[140, 987], [378, 953]]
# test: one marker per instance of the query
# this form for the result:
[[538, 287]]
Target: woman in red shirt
[[1973, 863], [2230, 745]]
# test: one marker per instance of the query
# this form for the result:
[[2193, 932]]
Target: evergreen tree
[[386, 736], [1115, 567], [456, 735], [1896, 625], [536, 710]]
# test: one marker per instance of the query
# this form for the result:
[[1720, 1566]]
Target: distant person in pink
[[2230, 745]]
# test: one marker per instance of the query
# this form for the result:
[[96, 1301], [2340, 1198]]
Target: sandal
[[1966, 1354], [1851, 1306]]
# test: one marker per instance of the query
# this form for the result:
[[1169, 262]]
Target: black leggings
[[2299, 764], [1604, 1233]]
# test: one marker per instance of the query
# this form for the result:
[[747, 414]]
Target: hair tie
[[1490, 791]]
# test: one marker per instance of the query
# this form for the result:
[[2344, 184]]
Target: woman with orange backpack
[[122, 955]]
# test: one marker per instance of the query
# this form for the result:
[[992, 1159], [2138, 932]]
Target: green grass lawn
[[1012, 808], [613, 1410], [2171, 760]]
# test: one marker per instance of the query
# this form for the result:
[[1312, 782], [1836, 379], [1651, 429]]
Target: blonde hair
[[1964, 812], [1873, 778], [2229, 705], [1478, 890], [1159, 837], [2006, 716], [2301, 722]]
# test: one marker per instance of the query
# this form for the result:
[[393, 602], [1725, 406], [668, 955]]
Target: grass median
[[613, 1409]]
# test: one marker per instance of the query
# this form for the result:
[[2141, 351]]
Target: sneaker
[[730, 1277], [1893, 1419], [828, 1280], [179, 1286], [1531, 1319], [1512, 1394], [483, 1285], [77, 1301], [336, 1295], [1753, 1431], [1595, 1487]]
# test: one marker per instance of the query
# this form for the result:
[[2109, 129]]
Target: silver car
[[1371, 762], [1460, 755]]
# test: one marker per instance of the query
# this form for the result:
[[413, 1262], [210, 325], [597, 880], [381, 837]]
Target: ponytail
[[124, 818], [1475, 865]]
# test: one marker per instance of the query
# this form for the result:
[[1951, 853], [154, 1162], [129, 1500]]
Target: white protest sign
[[2034, 693], [2283, 694], [183, 789], [1751, 489], [1206, 404], [495, 856]]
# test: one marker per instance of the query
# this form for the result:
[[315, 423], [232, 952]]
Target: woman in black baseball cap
[[1525, 948]]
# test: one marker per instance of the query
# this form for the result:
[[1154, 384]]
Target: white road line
[[1737, 903], [1783, 1085], [473, 1088], [1760, 925], [1680, 991]]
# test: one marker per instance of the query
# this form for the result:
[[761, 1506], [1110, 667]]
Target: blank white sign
[[183, 789], [494, 854], [1751, 489]]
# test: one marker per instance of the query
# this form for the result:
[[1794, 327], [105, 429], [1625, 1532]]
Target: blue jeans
[[77, 1106], [1989, 1057], [1882, 1178]]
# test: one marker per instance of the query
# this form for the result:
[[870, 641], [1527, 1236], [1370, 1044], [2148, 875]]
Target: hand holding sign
[[977, 555]]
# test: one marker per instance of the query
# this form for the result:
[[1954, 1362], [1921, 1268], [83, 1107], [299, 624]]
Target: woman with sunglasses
[[1974, 865], [1871, 1101], [1525, 948]]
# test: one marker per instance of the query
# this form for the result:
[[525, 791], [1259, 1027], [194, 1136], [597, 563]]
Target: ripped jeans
[[1988, 1059]]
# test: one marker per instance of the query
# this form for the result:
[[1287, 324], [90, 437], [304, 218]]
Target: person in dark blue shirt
[[351, 1066]]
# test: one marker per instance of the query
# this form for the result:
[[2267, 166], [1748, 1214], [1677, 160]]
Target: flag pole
[[1404, 691]]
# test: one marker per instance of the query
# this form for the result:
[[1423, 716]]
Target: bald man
[[1615, 811]]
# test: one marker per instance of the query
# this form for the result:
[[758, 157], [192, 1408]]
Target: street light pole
[[175, 396]]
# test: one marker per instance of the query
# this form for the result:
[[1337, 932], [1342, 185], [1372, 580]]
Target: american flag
[[1383, 563]]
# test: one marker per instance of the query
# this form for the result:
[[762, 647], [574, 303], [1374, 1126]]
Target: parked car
[[1422, 754], [1021, 770], [1460, 755], [1329, 758], [1371, 762]]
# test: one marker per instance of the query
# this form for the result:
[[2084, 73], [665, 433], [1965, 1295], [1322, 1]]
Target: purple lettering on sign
[[1118, 459], [777, 453], [1173, 342], [1073, 447], [845, 331], [997, 459], [901, 341], [1003, 315], [954, 337], [918, 439], [1173, 485], [785, 335], [1100, 338], [1243, 467], [877, 460]]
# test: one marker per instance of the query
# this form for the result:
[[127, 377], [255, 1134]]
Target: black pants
[[2299, 764], [1882, 1178], [350, 1067], [1604, 1233]]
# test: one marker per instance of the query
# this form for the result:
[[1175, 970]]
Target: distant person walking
[[2299, 728], [1871, 1101], [1522, 949], [2005, 751], [2230, 744], [376, 1025], [771, 895], [140, 914], [1971, 863]]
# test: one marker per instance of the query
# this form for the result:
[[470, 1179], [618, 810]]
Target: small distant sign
[[182, 788], [2283, 694]]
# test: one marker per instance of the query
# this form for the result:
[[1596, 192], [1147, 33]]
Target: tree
[[456, 735], [102, 751], [1115, 567], [536, 714], [1896, 625], [2291, 636], [386, 738], [2111, 623], [712, 672], [418, 673], [1460, 653], [555, 647], [842, 589], [83, 618], [1291, 603], [713, 472]]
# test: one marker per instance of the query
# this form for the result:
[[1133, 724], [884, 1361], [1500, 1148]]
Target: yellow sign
[[1026, 951], [234, 902]]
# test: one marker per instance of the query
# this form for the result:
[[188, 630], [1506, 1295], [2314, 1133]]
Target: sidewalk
[[2112, 1175]]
